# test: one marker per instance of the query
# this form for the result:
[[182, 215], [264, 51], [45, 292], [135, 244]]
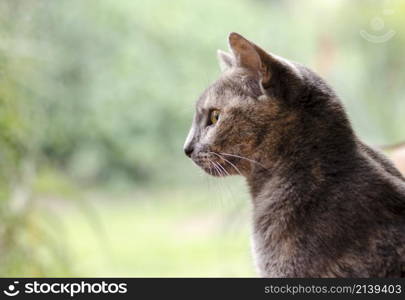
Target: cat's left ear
[[226, 60]]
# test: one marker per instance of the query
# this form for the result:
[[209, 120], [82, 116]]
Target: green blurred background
[[96, 98]]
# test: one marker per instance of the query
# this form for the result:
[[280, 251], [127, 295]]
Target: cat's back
[[380, 159], [353, 221], [376, 194], [370, 211]]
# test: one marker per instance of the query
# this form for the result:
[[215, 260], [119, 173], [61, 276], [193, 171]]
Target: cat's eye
[[214, 117]]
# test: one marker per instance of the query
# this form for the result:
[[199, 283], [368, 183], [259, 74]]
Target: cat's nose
[[189, 150]]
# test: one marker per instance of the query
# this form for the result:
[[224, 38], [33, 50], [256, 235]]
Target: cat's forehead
[[220, 94], [230, 87]]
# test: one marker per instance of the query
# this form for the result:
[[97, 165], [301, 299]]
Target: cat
[[324, 203]]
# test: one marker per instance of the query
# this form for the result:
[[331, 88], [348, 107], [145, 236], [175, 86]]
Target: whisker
[[224, 170], [235, 167], [241, 157], [223, 184], [221, 157], [221, 187], [217, 171]]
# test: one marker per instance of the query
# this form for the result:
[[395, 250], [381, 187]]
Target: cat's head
[[243, 119]]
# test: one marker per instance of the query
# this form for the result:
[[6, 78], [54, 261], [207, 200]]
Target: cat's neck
[[304, 169]]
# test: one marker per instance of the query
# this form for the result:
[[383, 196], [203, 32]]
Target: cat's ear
[[275, 74], [248, 55], [225, 59]]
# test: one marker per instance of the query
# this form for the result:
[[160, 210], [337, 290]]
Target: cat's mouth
[[216, 164]]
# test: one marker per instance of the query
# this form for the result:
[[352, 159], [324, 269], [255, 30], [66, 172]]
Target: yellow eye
[[214, 116]]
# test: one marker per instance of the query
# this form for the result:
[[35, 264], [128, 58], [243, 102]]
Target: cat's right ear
[[225, 59], [250, 56], [272, 71]]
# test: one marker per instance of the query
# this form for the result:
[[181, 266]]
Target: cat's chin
[[214, 172], [217, 171], [211, 165]]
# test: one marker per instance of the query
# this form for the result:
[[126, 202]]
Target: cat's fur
[[324, 203]]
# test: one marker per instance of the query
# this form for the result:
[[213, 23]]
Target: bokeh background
[[96, 98]]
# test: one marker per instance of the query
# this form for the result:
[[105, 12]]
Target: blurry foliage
[[110, 85], [96, 93]]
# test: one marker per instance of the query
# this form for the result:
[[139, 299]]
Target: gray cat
[[324, 203]]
